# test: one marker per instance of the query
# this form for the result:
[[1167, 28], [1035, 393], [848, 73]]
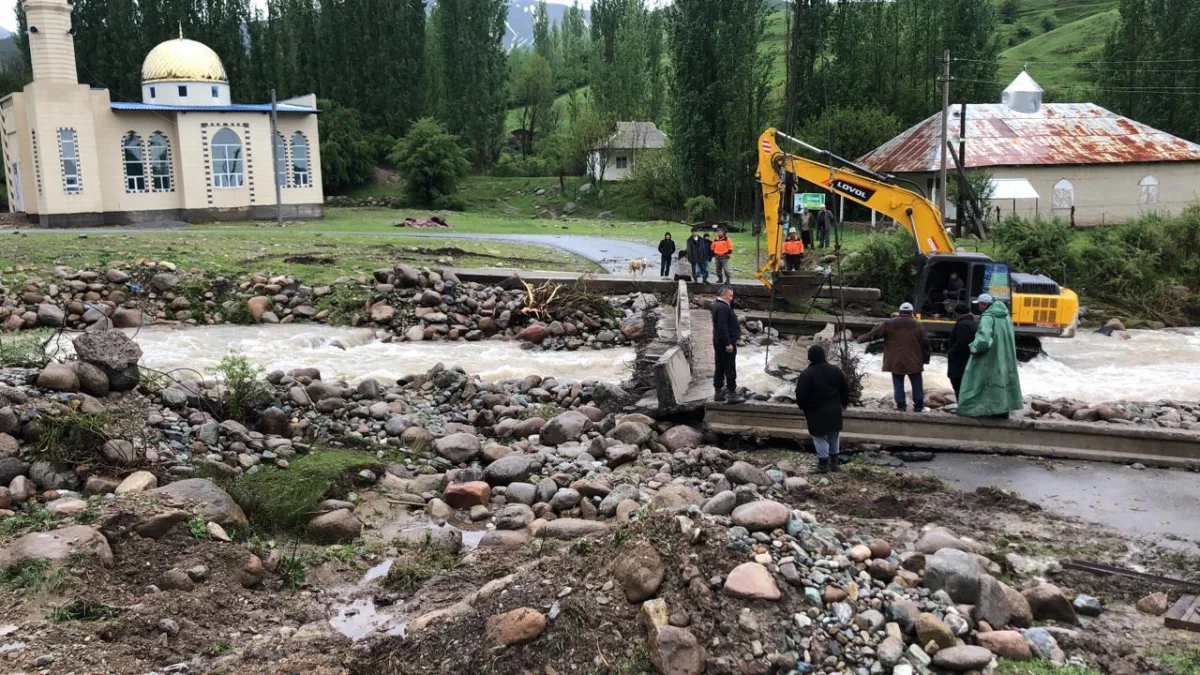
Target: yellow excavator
[[1040, 307]]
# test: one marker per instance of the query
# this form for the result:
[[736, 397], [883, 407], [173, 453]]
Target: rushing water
[[1150, 365], [355, 354]]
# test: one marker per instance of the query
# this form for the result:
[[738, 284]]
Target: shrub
[[284, 499], [242, 386], [887, 262], [431, 160], [656, 181], [1034, 245], [1048, 24], [72, 436], [1008, 10], [700, 208]]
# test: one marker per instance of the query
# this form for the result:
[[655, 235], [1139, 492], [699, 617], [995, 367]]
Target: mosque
[[75, 158]]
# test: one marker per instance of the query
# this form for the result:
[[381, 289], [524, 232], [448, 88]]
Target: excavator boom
[[860, 185]]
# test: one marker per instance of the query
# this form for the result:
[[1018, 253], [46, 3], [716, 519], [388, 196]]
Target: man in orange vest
[[722, 249], [793, 252]]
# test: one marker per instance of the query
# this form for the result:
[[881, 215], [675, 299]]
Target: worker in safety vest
[[793, 252], [722, 249]]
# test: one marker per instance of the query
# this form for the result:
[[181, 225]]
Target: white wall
[[198, 93], [626, 158]]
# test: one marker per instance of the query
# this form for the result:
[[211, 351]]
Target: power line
[[1067, 63], [1111, 89]]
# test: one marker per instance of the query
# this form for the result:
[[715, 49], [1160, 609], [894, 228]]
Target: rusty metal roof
[[1058, 133]]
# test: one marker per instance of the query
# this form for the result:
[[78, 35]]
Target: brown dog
[[637, 267]]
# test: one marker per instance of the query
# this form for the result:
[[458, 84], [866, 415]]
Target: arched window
[[160, 163], [280, 160], [68, 154], [1148, 191], [227, 160], [134, 159], [301, 171], [1064, 195]]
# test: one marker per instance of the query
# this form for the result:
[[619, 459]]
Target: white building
[[73, 157], [1070, 160], [617, 154]]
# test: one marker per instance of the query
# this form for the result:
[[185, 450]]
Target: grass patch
[[84, 610], [1186, 662], [73, 436], [34, 576], [418, 563], [1006, 667], [26, 349], [277, 499], [35, 518]]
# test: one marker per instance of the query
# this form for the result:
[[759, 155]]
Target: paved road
[[611, 254], [1154, 503]]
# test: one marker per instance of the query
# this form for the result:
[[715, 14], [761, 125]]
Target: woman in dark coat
[[958, 346], [822, 393]]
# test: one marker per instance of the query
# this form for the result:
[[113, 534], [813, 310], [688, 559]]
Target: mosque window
[[134, 159], [68, 152], [152, 93], [301, 172], [280, 160], [215, 92], [1063, 196], [160, 162], [183, 91], [227, 160]]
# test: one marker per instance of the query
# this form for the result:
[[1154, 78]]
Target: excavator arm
[[858, 184]]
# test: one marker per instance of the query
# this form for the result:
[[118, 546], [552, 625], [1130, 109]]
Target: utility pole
[[945, 133], [275, 158]]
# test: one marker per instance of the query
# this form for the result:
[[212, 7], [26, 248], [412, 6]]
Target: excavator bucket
[[796, 288]]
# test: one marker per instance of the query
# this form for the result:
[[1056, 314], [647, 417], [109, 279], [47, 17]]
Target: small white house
[[617, 154]]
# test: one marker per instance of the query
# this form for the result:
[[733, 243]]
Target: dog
[[637, 267]]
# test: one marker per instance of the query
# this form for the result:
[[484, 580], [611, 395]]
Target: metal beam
[[1037, 438]]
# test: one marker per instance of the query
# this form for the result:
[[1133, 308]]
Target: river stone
[[11, 468], [608, 506], [618, 455], [9, 447], [1006, 644], [1048, 603], [565, 427], [571, 528], [1042, 643], [639, 571], [514, 517], [632, 433], [721, 504], [761, 515], [516, 627], [955, 572], [930, 628], [681, 437], [962, 659], [521, 493], [565, 499], [507, 469], [163, 282], [1154, 604], [939, 538], [458, 448], [9, 422], [49, 476], [50, 316], [676, 496], [335, 527], [215, 504], [741, 473], [57, 546], [111, 350], [58, 377], [675, 651], [138, 481], [1000, 605], [751, 581], [92, 379]]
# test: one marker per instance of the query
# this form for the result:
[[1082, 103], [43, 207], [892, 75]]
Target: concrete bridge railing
[[673, 370]]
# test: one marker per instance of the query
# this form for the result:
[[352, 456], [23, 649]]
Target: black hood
[[816, 354]]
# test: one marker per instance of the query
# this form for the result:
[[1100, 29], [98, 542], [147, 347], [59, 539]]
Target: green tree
[[430, 159], [1009, 10], [851, 132], [347, 150], [719, 92], [533, 93], [475, 69], [542, 42], [626, 75], [575, 51]]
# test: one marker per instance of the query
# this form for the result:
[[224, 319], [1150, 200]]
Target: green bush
[[431, 160], [887, 262], [243, 389], [700, 209], [655, 180], [1034, 246], [284, 499]]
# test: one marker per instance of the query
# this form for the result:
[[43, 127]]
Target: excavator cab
[[938, 293]]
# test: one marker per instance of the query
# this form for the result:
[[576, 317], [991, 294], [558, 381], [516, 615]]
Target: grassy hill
[[1066, 35]]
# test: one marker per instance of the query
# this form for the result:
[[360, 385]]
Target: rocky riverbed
[[443, 523]]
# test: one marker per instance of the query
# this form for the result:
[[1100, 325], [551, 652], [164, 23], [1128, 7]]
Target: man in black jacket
[[822, 393], [697, 255], [666, 248], [726, 333], [958, 346]]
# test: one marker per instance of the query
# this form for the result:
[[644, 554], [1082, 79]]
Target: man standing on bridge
[[666, 248], [904, 347], [991, 386], [822, 393], [722, 249], [725, 334], [958, 346], [697, 255]]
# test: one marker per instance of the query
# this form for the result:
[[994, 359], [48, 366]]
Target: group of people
[[822, 219], [699, 254], [982, 369]]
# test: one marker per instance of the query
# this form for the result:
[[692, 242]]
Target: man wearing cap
[[958, 345], [822, 393], [905, 345], [991, 387]]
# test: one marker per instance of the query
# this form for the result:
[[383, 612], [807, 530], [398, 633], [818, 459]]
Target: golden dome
[[182, 59]]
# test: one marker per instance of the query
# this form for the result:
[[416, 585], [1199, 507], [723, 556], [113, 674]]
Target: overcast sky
[[8, 18]]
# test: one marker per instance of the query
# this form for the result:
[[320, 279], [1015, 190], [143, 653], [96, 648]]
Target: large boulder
[[58, 377], [632, 433], [1048, 603], [113, 351], [751, 581], [458, 448], [681, 437], [50, 315], [508, 469], [955, 572], [761, 515], [92, 379], [212, 502], [335, 527], [57, 546], [1000, 604], [466, 495], [639, 571], [1007, 644], [939, 538], [740, 473], [565, 427]]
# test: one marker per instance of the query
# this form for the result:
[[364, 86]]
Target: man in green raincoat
[[991, 386]]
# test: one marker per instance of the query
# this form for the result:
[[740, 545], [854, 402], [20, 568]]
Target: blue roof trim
[[235, 108]]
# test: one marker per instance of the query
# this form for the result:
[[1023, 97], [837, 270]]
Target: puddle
[[361, 618]]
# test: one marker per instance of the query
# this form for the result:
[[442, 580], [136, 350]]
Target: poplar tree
[[475, 70]]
